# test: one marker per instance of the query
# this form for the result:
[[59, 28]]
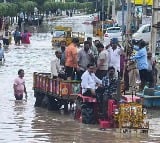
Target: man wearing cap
[[115, 50]]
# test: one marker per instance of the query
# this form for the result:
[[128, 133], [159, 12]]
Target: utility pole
[[155, 20], [128, 26], [108, 9], [102, 2], [113, 10], [155, 30], [144, 7], [123, 26]]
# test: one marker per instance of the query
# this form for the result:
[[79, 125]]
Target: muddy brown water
[[21, 122]]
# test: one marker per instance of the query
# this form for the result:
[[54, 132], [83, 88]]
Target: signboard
[[64, 88], [142, 2]]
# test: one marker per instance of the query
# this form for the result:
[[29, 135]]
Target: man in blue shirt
[[141, 58]]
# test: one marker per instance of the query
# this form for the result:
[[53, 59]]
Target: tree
[[8, 9], [29, 6], [11, 9]]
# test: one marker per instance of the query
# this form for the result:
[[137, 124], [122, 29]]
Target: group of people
[[94, 65], [75, 60], [99, 67], [19, 37]]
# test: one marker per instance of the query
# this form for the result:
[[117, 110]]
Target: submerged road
[[21, 122]]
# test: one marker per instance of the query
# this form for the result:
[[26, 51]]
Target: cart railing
[[44, 83]]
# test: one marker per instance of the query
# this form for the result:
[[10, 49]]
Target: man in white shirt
[[115, 50], [89, 81], [55, 65]]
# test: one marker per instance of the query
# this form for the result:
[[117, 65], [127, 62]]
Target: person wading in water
[[19, 86]]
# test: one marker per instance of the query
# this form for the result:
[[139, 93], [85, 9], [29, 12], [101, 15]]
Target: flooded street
[[21, 122]]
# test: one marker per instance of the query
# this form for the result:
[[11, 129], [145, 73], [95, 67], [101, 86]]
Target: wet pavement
[[22, 122]]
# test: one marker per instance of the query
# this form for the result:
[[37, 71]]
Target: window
[[59, 34], [146, 29], [114, 30]]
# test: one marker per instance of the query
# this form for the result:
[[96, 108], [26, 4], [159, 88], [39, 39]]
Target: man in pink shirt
[[19, 86], [26, 37]]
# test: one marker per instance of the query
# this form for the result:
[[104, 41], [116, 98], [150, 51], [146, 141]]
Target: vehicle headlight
[[144, 111], [116, 111], [133, 108]]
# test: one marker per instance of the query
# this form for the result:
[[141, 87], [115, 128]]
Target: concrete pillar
[[108, 9], [128, 26], [154, 22], [113, 10]]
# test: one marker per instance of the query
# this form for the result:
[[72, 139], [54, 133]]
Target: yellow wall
[[141, 2]]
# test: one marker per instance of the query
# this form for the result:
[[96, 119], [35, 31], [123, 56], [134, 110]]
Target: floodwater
[[22, 122]]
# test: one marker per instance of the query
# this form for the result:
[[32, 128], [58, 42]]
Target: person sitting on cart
[[90, 81], [110, 83]]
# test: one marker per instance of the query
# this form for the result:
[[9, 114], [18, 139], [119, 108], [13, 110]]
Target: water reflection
[[62, 128]]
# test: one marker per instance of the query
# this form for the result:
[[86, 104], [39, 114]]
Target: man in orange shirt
[[71, 63]]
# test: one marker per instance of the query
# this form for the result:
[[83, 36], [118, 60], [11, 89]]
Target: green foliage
[[48, 5], [11, 9], [8, 9], [29, 6], [69, 0]]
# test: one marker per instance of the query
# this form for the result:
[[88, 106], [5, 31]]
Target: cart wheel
[[88, 114], [39, 97], [54, 104], [77, 113]]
